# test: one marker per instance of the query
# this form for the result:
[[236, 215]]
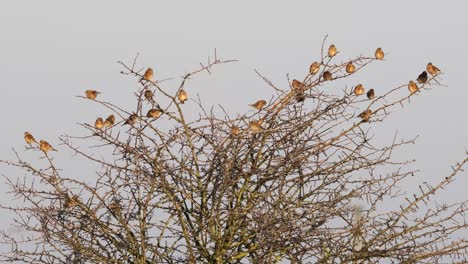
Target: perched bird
[[297, 85], [99, 124], [148, 95], [299, 96], [433, 70], [327, 76], [255, 126], [422, 78], [45, 146], [148, 75], [350, 68], [359, 89], [332, 50], [29, 138], [371, 94], [366, 115], [379, 54], [412, 87], [314, 68], [110, 121], [235, 130], [131, 120], [91, 94], [259, 104], [154, 113], [182, 96]]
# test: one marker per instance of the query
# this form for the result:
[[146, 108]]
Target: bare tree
[[297, 178]]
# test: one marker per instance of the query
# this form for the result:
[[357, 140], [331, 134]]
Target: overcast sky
[[51, 51]]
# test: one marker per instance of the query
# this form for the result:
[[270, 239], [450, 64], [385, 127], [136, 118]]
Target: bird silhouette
[[327, 76], [29, 138], [350, 68], [297, 85], [148, 95], [255, 126], [99, 124], [131, 120], [148, 75], [182, 96], [91, 94], [332, 51], [314, 68], [379, 54], [433, 70], [359, 89], [422, 78], [154, 113], [412, 87], [110, 121], [45, 146], [365, 115], [371, 94], [259, 104]]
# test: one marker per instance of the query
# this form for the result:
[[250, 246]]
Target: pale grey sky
[[51, 51]]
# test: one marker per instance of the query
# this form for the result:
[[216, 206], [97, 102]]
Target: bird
[[148, 75], [255, 126], [154, 113], [259, 104], [379, 54], [350, 68], [412, 87], [29, 138], [297, 85], [327, 76], [365, 116], [148, 95], [235, 130], [110, 121], [422, 78], [359, 89], [131, 120], [182, 96], [45, 146], [314, 68], [299, 96], [433, 70], [371, 94], [332, 50], [99, 124], [91, 94]]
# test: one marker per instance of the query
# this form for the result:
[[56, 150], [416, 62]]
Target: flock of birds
[[255, 126]]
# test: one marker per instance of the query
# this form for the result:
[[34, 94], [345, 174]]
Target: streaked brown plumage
[[131, 120], [259, 104], [433, 70], [412, 87], [45, 146], [91, 94], [99, 124], [255, 126], [29, 138], [314, 68], [350, 68], [332, 50], [422, 78], [379, 54], [154, 113], [182, 96], [148, 75], [371, 94], [327, 76], [366, 115], [297, 85], [110, 121], [148, 95], [235, 130], [359, 89]]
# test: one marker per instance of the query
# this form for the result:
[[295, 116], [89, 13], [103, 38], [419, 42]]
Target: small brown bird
[[314, 68], [299, 96], [379, 54], [332, 51], [110, 121], [433, 70], [154, 113], [99, 124], [297, 85], [366, 115], [148, 95], [235, 130], [29, 138], [148, 75], [45, 146], [255, 126], [350, 68], [327, 76], [371, 94], [422, 78], [91, 94], [259, 104], [412, 87], [359, 89], [131, 120], [182, 96]]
